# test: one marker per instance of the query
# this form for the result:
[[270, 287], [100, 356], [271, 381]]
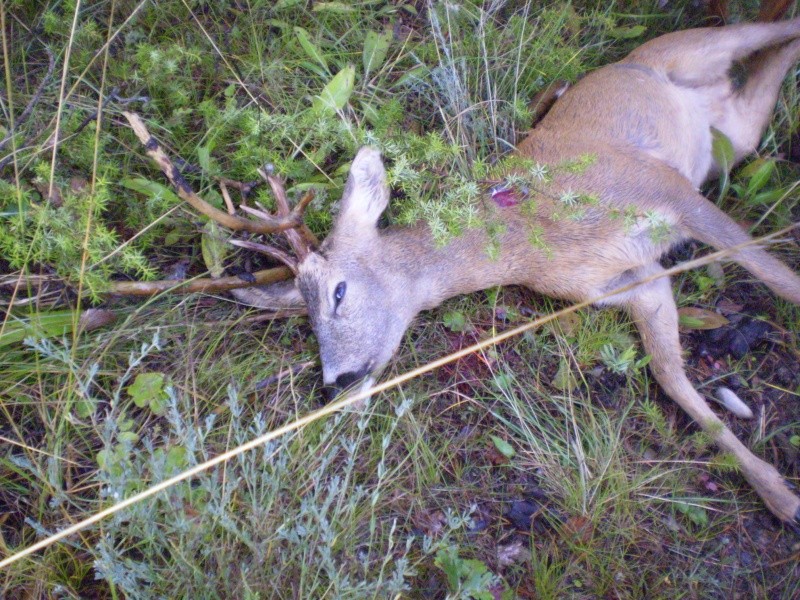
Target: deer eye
[[338, 294]]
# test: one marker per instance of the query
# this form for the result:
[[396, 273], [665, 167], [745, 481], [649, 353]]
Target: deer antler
[[266, 224], [288, 221]]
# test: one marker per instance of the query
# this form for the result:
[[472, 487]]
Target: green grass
[[410, 496]]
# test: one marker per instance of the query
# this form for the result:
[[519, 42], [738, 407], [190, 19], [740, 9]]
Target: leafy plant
[[470, 578], [622, 362], [148, 390]]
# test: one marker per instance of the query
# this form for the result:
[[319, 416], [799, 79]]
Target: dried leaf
[[93, 318], [431, 523], [729, 307], [700, 318], [570, 323], [512, 553]]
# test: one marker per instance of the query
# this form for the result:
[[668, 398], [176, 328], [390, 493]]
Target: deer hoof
[[794, 525]]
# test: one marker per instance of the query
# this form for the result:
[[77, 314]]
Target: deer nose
[[344, 381]]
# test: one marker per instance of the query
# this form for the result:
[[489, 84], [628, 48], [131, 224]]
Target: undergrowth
[[544, 468]]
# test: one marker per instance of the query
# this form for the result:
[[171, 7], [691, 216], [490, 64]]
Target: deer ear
[[366, 193]]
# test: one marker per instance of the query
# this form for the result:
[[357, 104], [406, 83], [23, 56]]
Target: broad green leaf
[[748, 170], [176, 458], [413, 76], [173, 237], [722, 149], [769, 197], [370, 114], [310, 47], [281, 4], [724, 155], [627, 33], [504, 380], [277, 23], [696, 514], [150, 189], [39, 325], [158, 404], [454, 320], [103, 458], [376, 46], [148, 390], [315, 68], [336, 93], [214, 249], [85, 407], [128, 436], [503, 446], [760, 177]]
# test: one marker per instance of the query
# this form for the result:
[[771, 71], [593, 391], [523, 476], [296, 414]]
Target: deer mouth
[[352, 381]]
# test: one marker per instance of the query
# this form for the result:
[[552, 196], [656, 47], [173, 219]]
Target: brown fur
[[647, 121]]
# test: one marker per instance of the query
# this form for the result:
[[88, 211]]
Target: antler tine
[[310, 239], [271, 251], [301, 239]]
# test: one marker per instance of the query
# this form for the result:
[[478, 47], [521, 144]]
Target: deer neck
[[433, 273]]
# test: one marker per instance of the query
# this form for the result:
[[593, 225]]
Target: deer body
[[647, 122]]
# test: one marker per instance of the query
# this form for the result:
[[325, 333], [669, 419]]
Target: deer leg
[[703, 221], [653, 309], [747, 112], [697, 57]]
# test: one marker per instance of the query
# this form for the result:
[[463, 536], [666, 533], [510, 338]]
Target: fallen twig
[[223, 284]]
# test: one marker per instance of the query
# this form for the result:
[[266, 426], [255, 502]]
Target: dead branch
[[223, 284]]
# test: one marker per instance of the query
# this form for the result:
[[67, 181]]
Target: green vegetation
[[414, 495]]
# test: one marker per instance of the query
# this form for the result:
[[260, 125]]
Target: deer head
[[358, 301]]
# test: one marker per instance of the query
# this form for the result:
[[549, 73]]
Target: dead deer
[[647, 121]]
